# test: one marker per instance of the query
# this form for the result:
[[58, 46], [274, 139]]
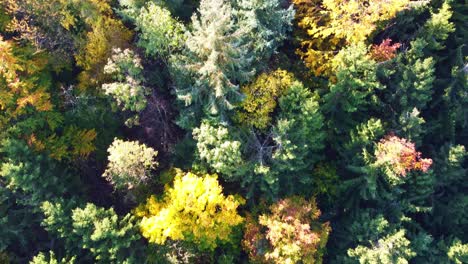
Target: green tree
[[108, 237], [128, 91], [213, 63], [353, 93], [50, 258], [299, 137], [393, 248], [26, 180], [218, 150], [160, 34], [268, 23], [130, 164]]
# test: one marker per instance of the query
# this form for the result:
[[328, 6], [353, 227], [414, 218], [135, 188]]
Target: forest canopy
[[234, 131]]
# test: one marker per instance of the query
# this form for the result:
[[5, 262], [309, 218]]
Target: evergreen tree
[[108, 237], [213, 64]]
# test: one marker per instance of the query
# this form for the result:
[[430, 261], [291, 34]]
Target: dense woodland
[[233, 131]]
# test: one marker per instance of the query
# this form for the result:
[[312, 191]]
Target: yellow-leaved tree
[[329, 25], [27, 110], [193, 209]]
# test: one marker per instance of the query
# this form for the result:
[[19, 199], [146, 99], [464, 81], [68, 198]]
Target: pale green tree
[[130, 164], [218, 150], [213, 64]]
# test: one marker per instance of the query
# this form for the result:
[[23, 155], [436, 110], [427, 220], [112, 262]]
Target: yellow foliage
[[193, 209], [261, 97], [25, 84], [330, 25]]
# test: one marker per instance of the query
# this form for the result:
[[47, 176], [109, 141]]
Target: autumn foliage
[[399, 156], [289, 233], [192, 209], [384, 51]]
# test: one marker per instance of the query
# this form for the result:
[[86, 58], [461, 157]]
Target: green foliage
[[128, 92], [130, 164], [161, 35], [26, 180], [393, 248], [298, 134], [458, 252], [35, 177], [354, 91], [108, 237], [216, 148], [268, 23], [50, 258], [213, 62]]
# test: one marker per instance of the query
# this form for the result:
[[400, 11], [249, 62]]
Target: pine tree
[[213, 64], [217, 149], [299, 137], [108, 237]]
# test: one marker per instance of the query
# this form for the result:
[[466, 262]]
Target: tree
[[44, 24], [354, 91], [268, 23], [108, 237], [298, 135], [193, 209], [216, 148], [393, 248], [130, 164], [261, 98], [213, 63], [398, 156], [34, 177], [458, 252], [50, 258], [26, 180], [161, 35], [28, 107], [330, 25], [128, 91], [289, 233]]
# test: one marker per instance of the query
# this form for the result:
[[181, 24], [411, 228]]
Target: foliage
[[28, 109], [261, 98], [108, 237], [35, 177], [298, 134], [129, 93], [192, 209], [130, 164], [26, 180], [213, 62], [293, 233], [268, 23], [398, 156], [338, 112], [50, 258], [161, 34], [330, 25], [384, 51], [218, 150], [458, 252], [393, 248], [354, 90]]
